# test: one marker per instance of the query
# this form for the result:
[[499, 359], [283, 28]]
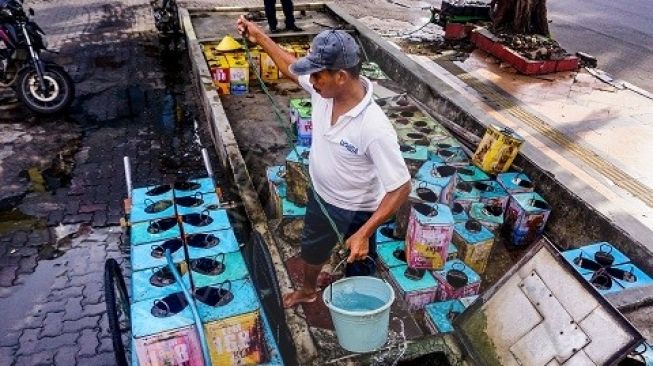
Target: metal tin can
[[430, 228], [497, 150], [525, 218]]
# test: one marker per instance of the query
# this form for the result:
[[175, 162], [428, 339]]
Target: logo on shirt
[[351, 148]]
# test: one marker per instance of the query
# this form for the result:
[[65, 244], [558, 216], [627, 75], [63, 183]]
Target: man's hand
[[245, 27], [359, 246]]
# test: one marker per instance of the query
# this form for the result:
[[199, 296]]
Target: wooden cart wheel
[[117, 302]]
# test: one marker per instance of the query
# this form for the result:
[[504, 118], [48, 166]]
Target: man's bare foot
[[298, 297]]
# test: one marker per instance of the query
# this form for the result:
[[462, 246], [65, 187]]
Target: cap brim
[[304, 66]]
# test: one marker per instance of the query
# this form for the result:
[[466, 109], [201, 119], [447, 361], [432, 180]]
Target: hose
[[289, 137], [191, 302]]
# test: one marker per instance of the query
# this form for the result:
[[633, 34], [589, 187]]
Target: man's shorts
[[319, 238]]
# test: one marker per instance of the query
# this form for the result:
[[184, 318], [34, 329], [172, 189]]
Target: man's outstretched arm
[[256, 35]]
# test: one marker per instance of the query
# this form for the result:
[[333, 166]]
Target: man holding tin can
[[357, 172]]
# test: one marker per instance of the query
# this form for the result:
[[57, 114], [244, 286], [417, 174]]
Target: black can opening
[[494, 210], [415, 135], [407, 113], [465, 171], [540, 204], [414, 274], [163, 277], [473, 226], [203, 241], [158, 206], [207, 266], [464, 186], [406, 148], [189, 201], [457, 208], [158, 190], [197, 219], [214, 296], [402, 121], [173, 245], [443, 146], [446, 170], [399, 254], [169, 305], [425, 209], [161, 225], [445, 153], [426, 194], [186, 186], [420, 124]]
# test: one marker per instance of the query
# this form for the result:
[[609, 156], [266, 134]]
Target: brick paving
[[51, 270]]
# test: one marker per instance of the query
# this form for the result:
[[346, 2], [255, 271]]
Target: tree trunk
[[520, 16]]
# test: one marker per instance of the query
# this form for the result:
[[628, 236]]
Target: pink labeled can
[[456, 281], [430, 229]]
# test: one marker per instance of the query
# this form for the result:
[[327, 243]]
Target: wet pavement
[[63, 180]]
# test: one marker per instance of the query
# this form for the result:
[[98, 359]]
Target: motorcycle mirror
[[31, 11]]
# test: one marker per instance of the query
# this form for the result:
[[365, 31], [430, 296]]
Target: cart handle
[[193, 307]]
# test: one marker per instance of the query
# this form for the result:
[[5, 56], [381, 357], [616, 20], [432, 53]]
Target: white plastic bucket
[[360, 330]]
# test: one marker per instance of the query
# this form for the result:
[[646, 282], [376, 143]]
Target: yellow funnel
[[228, 43]]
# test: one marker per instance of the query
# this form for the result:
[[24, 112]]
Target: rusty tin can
[[497, 150], [475, 244], [525, 218], [430, 228], [421, 192], [297, 175], [456, 281]]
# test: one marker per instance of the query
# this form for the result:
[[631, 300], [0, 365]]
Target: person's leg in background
[[271, 14], [290, 17]]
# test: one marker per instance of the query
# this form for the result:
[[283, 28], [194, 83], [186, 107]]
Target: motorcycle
[[44, 87], [166, 16]]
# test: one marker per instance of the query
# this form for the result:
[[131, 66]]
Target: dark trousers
[[271, 13]]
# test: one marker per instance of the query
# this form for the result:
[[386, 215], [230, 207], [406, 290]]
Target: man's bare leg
[[308, 292]]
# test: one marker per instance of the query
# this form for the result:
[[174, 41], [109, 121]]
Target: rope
[[290, 138]]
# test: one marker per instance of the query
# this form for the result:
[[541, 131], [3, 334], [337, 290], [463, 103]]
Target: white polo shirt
[[355, 162]]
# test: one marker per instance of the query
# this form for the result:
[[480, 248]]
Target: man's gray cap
[[331, 50]]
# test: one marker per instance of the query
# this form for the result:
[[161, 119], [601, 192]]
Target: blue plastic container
[[416, 292], [386, 253], [244, 301], [515, 182], [303, 152], [439, 315], [290, 209], [360, 330], [471, 173], [234, 269], [454, 155], [385, 232]]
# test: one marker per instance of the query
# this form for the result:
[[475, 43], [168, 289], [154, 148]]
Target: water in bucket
[[360, 310], [358, 302]]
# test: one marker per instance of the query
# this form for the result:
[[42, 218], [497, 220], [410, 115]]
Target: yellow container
[[210, 51], [238, 74], [497, 150], [269, 70], [220, 74], [236, 340]]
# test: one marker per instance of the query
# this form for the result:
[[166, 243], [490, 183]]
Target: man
[[355, 165], [271, 15]]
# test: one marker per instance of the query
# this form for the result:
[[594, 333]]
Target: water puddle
[[59, 173], [15, 220]]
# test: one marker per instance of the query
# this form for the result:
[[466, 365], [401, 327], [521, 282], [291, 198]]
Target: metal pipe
[[207, 162], [128, 175], [193, 307]]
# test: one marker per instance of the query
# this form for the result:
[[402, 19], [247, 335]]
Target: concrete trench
[[247, 157]]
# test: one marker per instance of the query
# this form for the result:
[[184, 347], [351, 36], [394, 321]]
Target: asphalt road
[[618, 33]]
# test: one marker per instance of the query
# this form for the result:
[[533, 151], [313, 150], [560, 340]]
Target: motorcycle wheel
[[60, 89]]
